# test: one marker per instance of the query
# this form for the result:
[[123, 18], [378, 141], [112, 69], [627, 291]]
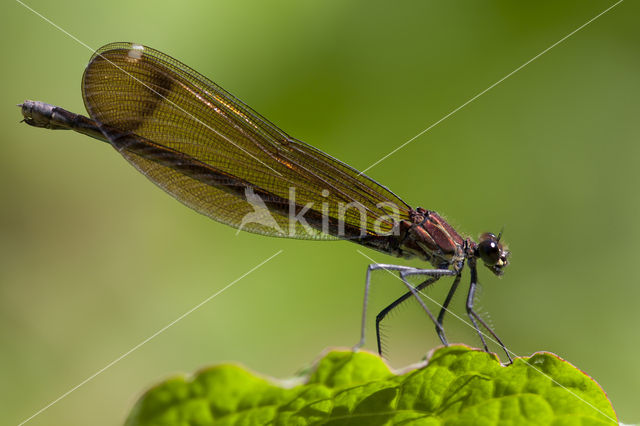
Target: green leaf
[[458, 386]]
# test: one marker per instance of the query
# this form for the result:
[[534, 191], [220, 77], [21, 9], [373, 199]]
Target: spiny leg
[[383, 313], [445, 305], [413, 291], [473, 315], [367, 285]]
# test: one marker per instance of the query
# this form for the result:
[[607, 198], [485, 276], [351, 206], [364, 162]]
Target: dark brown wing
[[216, 155]]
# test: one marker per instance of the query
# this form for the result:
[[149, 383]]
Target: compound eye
[[489, 251]]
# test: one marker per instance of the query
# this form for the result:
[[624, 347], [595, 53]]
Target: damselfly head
[[492, 253]]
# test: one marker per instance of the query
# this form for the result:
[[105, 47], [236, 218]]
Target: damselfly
[[219, 157]]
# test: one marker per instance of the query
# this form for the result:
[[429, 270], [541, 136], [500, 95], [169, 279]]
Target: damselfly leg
[[403, 272], [434, 275], [383, 313], [445, 305], [473, 315]]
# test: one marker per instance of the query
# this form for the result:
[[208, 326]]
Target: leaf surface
[[458, 386]]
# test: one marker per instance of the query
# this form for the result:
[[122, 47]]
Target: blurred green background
[[94, 258]]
